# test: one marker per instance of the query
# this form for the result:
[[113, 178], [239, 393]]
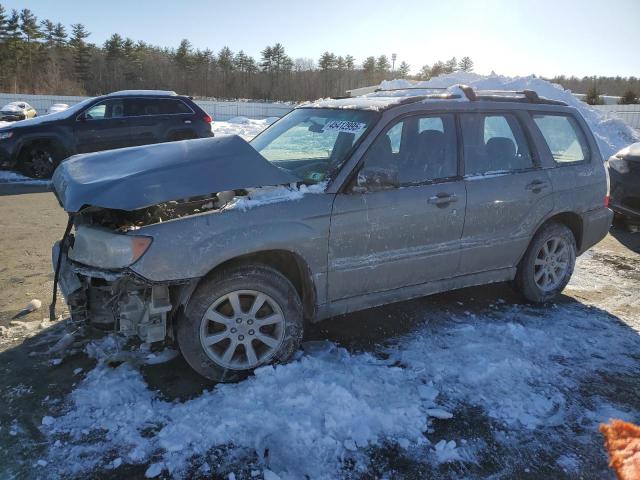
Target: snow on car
[[57, 107]]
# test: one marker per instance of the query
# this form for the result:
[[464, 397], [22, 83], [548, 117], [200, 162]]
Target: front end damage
[[116, 300], [109, 206]]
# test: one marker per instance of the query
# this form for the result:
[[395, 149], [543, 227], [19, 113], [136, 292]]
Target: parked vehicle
[[57, 107], [15, 111], [120, 119], [373, 200], [624, 174]]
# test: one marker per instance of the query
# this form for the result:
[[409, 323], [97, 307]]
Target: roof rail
[[526, 96], [408, 88], [142, 93]]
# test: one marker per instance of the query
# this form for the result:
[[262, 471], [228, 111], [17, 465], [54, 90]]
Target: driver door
[[404, 227], [102, 126]]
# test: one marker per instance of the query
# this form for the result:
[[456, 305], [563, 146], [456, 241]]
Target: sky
[[517, 37]]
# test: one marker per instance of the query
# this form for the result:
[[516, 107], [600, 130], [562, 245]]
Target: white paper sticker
[[344, 126]]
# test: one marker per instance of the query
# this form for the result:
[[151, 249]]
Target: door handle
[[187, 121], [443, 199], [536, 186]]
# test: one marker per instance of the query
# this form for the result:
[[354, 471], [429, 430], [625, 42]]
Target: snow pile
[[244, 127], [611, 132], [265, 195], [8, 176], [310, 416]]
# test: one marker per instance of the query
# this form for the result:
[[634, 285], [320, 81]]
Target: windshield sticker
[[344, 126]]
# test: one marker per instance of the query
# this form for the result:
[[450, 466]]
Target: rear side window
[[137, 107], [564, 137], [494, 143]]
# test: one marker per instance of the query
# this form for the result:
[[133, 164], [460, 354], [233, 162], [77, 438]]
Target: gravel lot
[[582, 355]]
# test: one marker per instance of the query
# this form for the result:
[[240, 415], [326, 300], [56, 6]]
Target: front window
[[312, 142]]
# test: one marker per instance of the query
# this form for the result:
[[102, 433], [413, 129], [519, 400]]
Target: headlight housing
[[5, 135], [101, 248]]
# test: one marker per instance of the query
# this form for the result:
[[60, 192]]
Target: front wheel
[[39, 160], [239, 319], [548, 264]]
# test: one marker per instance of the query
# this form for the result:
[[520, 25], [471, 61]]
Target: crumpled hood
[[139, 177]]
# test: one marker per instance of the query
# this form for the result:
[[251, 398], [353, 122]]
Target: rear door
[[407, 235], [145, 120], [508, 193], [102, 126]]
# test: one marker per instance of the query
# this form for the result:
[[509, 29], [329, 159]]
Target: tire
[[542, 276], [39, 160], [242, 333]]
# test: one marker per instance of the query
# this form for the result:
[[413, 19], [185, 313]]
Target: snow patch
[[265, 195], [323, 408]]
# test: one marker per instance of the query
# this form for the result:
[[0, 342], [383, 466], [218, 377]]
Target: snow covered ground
[[522, 386]]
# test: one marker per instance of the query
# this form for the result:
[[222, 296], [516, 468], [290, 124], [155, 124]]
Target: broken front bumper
[[113, 300]]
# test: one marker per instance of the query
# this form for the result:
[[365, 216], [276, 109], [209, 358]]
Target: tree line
[[46, 57]]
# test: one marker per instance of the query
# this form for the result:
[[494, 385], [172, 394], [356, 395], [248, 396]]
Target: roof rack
[[408, 88], [523, 96], [142, 93]]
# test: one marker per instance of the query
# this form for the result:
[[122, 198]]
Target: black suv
[[120, 119]]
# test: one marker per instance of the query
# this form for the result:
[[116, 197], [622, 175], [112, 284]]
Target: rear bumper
[[595, 226]]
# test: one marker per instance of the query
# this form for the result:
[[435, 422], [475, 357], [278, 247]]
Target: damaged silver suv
[[227, 248]]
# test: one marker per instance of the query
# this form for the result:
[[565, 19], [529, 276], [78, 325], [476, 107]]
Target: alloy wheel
[[551, 264], [242, 329]]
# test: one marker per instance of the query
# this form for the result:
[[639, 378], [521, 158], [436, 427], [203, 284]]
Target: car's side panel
[[394, 238], [502, 213], [191, 247]]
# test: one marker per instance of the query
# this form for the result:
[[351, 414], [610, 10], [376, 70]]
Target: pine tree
[[81, 54], [593, 96], [382, 64], [327, 61], [3, 24], [31, 33], [60, 35], [451, 65], [48, 32], [13, 45], [349, 62], [629, 98], [403, 70], [425, 72], [466, 64], [369, 68], [438, 69]]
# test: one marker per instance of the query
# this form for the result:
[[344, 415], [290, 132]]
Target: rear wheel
[[39, 160], [240, 319], [548, 264]]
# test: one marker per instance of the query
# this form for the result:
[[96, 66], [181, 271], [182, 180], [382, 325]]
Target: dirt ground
[[29, 224]]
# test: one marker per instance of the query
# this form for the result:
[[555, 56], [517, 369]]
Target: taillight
[[606, 201], [207, 118]]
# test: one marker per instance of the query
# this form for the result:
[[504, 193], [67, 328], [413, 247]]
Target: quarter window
[[416, 150], [564, 137], [494, 143]]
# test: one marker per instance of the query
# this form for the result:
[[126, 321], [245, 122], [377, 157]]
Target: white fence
[[629, 113], [224, 110], [219, 110]]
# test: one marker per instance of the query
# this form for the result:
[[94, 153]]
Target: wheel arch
[[572, 220], [288, 263]]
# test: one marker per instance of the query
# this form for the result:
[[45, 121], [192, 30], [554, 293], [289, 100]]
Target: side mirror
[[376, 179]]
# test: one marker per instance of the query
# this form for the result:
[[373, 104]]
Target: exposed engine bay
[[126, 220]]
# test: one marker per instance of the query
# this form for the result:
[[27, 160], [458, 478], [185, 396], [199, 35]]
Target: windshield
[[311, 142]]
